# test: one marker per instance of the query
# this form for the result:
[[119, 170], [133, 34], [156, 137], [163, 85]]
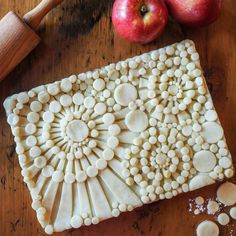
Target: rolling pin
[[18, 37]]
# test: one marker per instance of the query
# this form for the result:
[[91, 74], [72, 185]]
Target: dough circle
[[199, 200], [77, 130], [226, 193], [125, 93], [223, 219], [76, 221], [211, 132], [207, 228], [204, 161], [212, 207], [211, 115], [136, 121], [225, 162]]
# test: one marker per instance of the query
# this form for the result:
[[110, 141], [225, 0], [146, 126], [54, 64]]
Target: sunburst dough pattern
[[104, 142]]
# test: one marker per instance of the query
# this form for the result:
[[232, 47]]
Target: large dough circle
[[77, 130], [207, 228], [204, 161], [212, 132], [226, 193], [125, 93], [136, 121]]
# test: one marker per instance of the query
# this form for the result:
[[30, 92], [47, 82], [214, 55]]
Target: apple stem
[[144, 9]]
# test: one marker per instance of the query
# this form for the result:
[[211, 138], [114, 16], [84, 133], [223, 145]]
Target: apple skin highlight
[[194, 13], [139, 21]]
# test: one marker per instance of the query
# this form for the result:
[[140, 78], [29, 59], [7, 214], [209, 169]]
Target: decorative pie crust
[[109, 140]]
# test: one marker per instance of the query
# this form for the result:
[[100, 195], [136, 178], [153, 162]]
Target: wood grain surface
[[78, 36]]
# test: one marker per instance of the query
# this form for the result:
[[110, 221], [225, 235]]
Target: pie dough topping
[[107, 141]]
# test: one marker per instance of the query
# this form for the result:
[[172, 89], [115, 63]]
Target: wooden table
[[79, 36]]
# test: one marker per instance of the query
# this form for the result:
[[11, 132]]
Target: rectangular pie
[[107, 141]]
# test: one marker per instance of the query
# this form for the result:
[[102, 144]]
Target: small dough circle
[[112, 142], [58, 176], [226, 193], [101, 164], [99, 84], [89, 102], [136, 121], [81, 176], [36, 106], [53, 89], [43, 97], [65, 100], [125, 93], [204, 161], [48, 116], [55, 106], [69, 178], [13, 119], [76, 221], [211, 132], [108, 154], [77, 130], [66, 85], [207, 228], [223, 219], [40, 162], [92, 171], [23, 97], [33, 117], [211, 115], [187, 130], [199, 200], [225, 162], [100, 108], [95, 220], [31, 141], [78, 98], [49, 229], [114, 129], [35, 151], [108, 118]]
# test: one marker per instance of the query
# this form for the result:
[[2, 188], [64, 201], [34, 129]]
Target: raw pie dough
[[223, 219], [109, 140], [226, 194], [207, 228]]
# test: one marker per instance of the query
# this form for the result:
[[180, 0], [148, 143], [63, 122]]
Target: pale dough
[[107, 141], [136, 121], [226, 193], [223, 219], [232, 213], [212, 132], [77, 130], [200, 181], [212, 207], [199, 200], [207, 228], [125, 93], [204, 161]]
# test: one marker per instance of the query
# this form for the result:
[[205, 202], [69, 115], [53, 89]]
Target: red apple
[[139, 21], [194, 13]]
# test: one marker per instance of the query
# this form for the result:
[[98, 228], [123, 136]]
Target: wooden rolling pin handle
[[35, 16]]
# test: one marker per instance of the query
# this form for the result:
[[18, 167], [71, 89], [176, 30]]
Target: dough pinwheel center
[[77, 130]]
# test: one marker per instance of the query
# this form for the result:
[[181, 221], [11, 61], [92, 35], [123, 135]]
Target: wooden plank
[[79, 36]]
